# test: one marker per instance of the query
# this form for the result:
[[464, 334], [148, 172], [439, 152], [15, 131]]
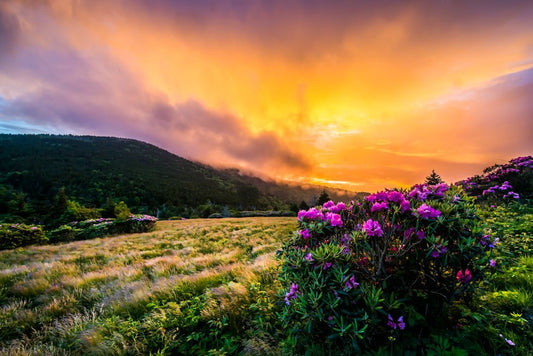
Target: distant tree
[[433, 178], [61, 200], [109, 208], [323, 198], [293, 207], [122, 212], [303, 205]]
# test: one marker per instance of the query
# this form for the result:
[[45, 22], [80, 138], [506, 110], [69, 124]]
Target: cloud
[[101, 97]]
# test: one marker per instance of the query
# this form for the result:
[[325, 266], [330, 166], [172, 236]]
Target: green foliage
[[122, 212], [17, 235]]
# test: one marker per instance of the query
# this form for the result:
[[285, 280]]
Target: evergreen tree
[[323, 198], [303, 205], [433, 178]]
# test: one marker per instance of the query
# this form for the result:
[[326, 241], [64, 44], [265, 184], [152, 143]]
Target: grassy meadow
[[189, 287]]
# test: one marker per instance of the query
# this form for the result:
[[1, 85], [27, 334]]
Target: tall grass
[[136, 294]]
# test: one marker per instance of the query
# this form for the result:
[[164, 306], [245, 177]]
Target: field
[[178, 289], [210, 287]]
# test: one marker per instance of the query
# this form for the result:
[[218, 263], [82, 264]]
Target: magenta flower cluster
[[427, 212], [398, 324], [292, 293], [423, 192], [372, 228]]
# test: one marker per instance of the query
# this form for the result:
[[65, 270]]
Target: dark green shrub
[[16, 235], [122, 212], [64, 233], [385, 271]]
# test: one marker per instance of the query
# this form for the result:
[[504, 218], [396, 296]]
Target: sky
[[361, 95]]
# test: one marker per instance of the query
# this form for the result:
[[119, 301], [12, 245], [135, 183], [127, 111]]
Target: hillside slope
[[94, 169]]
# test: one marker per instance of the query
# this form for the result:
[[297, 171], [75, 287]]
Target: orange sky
[[361, 95]]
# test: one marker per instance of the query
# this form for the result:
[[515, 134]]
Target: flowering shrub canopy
[[389, 266], [507, 182]]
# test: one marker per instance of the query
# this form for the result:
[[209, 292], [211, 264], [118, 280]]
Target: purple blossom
[[464, 277], [351, 283], [398, 324], [405, 206], [304, 233], [421, 235], [427, 212], [509, 342], [330, 204], [395, 196], [379, 207], [292, 293], [327, 265], [492, 263], [309, 257], [335, 219], [372, 228]]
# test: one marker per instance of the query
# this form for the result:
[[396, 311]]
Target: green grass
[[209, 287], [181, 289]]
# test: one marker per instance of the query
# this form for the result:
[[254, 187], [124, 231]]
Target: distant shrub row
[[17, 235], [93, 228]]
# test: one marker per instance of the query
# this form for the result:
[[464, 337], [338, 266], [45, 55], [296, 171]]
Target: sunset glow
[[357, 95]]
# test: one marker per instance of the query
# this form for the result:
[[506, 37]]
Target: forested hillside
[[100, 171]]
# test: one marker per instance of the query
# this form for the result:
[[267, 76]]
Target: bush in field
[[64, 233], [389, 270], [16, 235]]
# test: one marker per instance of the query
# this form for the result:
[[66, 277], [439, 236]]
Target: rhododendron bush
[[507, 182], [382, 271]]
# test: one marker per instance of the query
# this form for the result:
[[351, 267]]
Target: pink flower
[[379, 207], [334, 219], [395, 196], [304, 233], [464, 277], [292, 293], [427, 212], [330, 204], [406, 206], [492, 263], [351, 283], [309, 257], [372, 228], [398, 324]]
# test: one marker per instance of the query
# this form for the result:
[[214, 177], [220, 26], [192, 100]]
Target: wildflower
[[304, 233], [427, 212], [372, 228], [421, 235], [405, 206], [379, 207], [456, 198], [398, 324], [395, 196], [327, 265], [309, 257], [330, 204], [464, 277], [351, 283], [508, 341], [335, 219], [292, 293], [492, 263]]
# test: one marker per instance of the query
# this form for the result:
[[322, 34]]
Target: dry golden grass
[[59, 292]]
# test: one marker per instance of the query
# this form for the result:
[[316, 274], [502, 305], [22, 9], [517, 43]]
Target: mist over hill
[[95, 170]]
